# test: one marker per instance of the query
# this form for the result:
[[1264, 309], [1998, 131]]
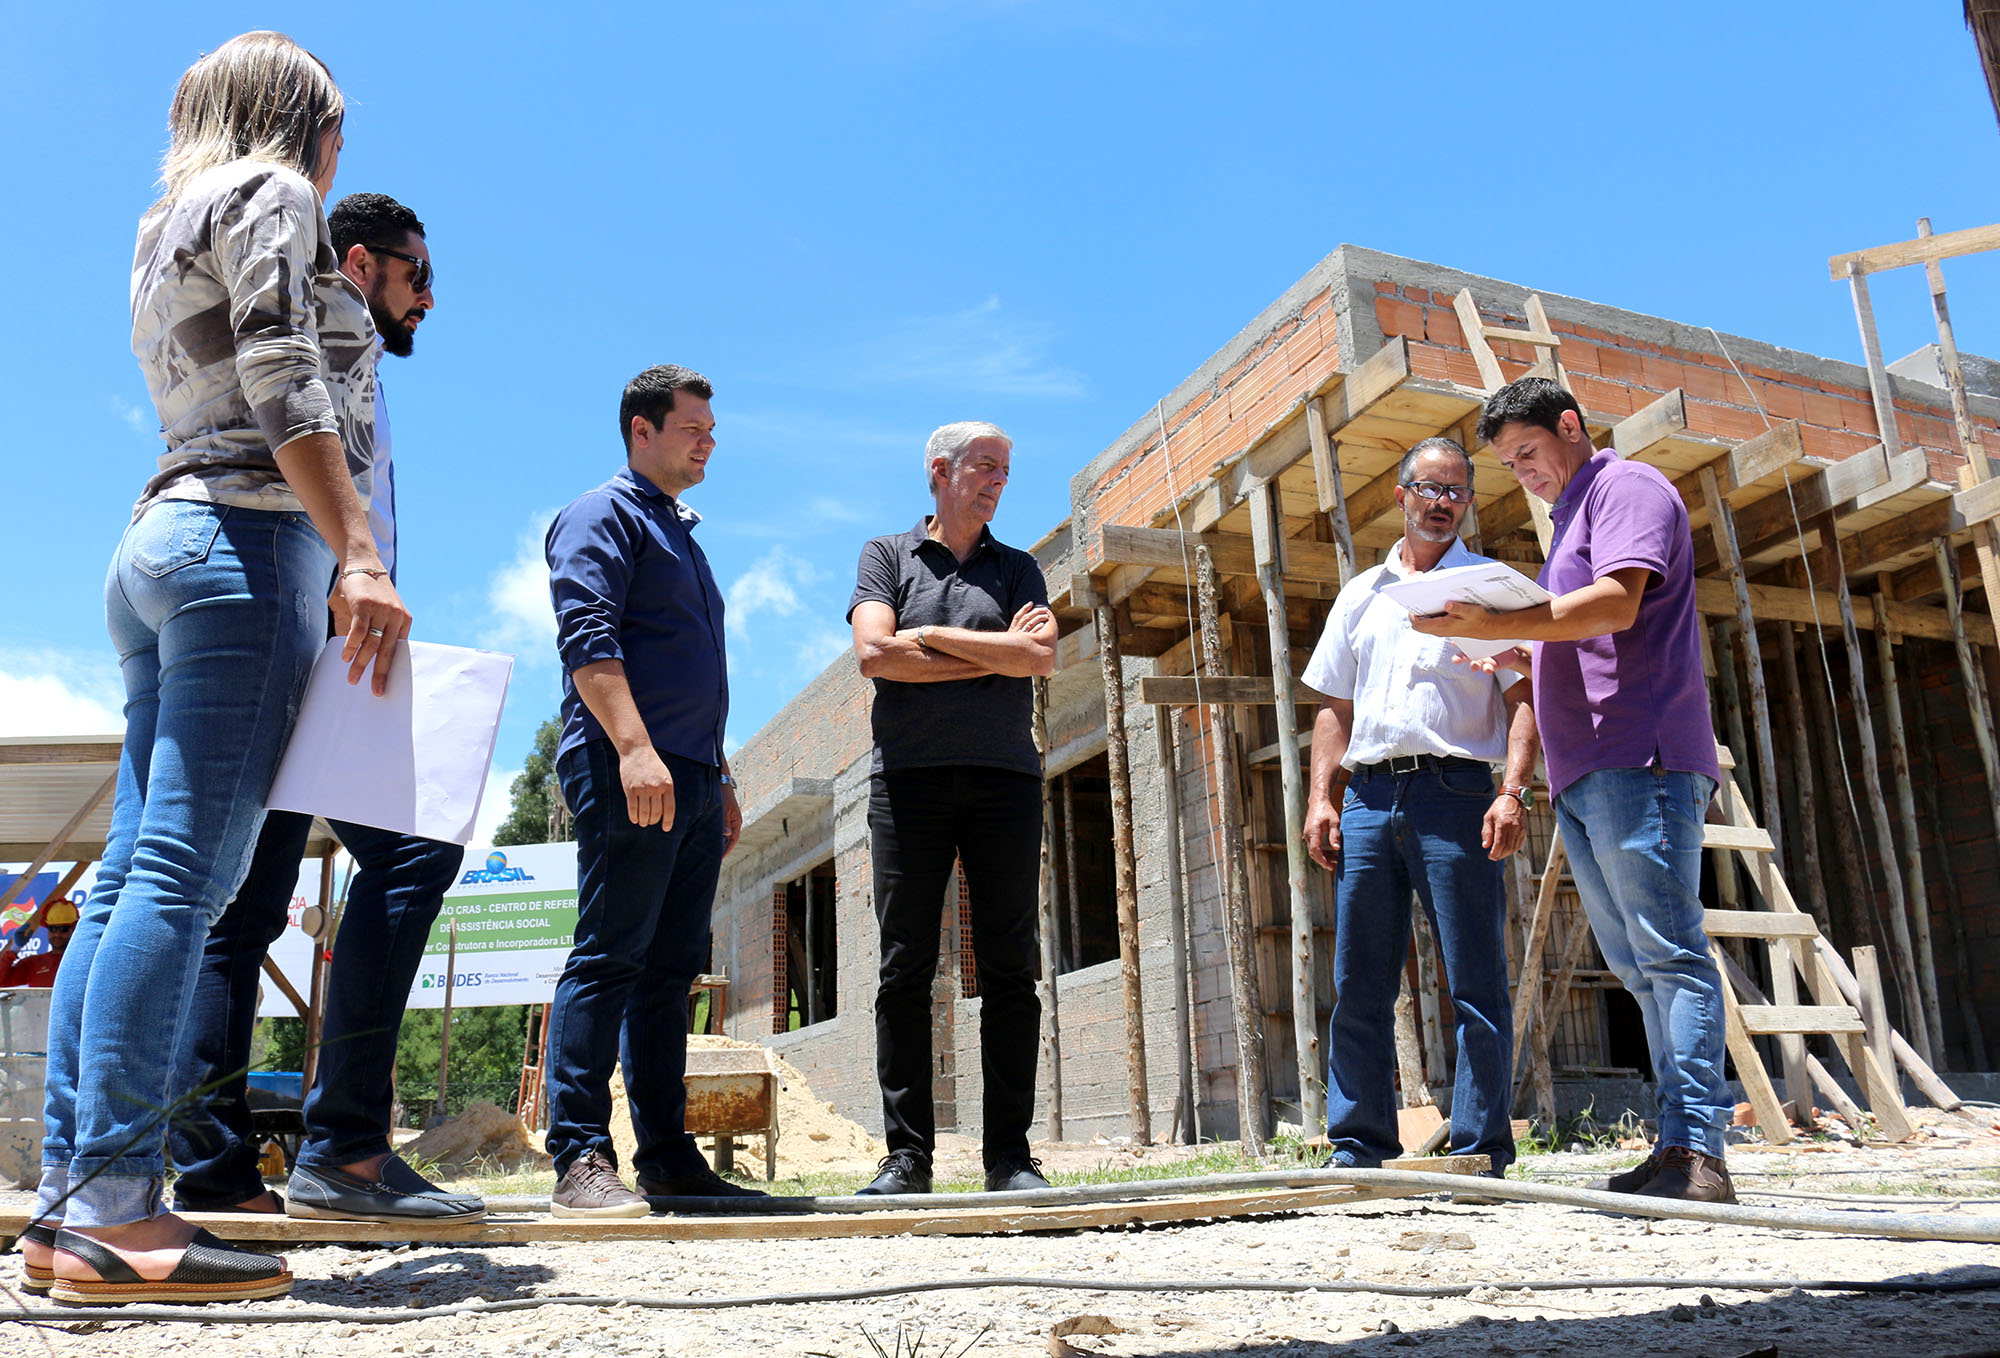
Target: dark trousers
[[398, 889], [919, 822], [643, 899]]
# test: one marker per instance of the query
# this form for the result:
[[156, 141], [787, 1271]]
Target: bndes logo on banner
[[496, 870], [459, 981]]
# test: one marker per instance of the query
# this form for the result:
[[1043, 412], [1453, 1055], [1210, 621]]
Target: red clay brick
[[1399, 318]]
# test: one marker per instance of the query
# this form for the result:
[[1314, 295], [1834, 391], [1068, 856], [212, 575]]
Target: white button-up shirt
[[1409, 695]]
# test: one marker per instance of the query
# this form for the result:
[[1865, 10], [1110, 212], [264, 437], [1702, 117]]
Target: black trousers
[[919, 821]]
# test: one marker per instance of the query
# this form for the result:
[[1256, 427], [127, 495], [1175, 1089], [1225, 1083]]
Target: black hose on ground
[[1919, 1284]]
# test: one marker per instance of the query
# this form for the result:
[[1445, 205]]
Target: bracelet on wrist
[[377, 572]]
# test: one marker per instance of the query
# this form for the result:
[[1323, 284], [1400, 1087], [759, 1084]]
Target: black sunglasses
[[1437, 490], [425, 274]]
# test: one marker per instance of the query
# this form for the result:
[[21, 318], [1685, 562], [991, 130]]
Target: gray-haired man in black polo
[[952, 626]]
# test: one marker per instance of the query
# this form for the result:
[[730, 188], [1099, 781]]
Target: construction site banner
[[292, 951], [515, 911]]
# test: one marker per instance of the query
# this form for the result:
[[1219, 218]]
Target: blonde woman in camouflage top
[[260, 359]]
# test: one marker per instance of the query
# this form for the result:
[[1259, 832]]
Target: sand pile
[[812, 1137], [483, 1138]]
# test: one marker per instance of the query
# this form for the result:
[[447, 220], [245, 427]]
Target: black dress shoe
[[696, 1183], [900, 1172], [1016, 1174], [396, 1193]]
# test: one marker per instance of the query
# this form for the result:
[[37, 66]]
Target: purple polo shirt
[[1625, 700]]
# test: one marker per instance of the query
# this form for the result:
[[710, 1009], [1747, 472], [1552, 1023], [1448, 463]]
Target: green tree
[[538, 815]]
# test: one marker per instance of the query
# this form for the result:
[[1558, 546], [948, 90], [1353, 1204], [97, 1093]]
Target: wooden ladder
[[1796, 950]]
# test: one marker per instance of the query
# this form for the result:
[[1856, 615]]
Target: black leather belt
[[1420, 763]]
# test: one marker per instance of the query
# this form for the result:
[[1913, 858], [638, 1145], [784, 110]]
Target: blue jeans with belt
[[1634, 843], [217, 613], [643, 899], [1418, 830]]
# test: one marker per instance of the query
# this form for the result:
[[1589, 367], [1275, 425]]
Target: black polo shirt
[[988, 720]]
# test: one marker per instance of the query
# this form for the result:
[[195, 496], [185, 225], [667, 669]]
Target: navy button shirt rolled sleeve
[[630, 584]]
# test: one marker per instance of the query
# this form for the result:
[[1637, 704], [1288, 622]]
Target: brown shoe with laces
[[590, 1187], [1633, 1179], [1689, 1176]]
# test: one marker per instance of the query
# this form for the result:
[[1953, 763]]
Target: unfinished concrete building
[[1192, 578]]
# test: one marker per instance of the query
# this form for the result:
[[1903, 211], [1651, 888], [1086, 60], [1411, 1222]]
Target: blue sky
[[862, 221]]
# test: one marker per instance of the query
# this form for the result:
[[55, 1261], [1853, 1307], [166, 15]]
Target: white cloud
[[524, 619], [770, 585], [494, 803], [48, 693], [138, 420], [976, 350], [820, 648]]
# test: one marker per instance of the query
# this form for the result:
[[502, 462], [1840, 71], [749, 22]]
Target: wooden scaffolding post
[[1326, 482], [1247, 995], [1112, 664], [1803, 791], [1984, 536], [1046, 913], [1072, 895], [1968, 1008], [1851, 909], [1903, 953], [316, 985], [1983, 733], [1931, 1011], [1267, 544], [1187, 1097], [1722, 524]]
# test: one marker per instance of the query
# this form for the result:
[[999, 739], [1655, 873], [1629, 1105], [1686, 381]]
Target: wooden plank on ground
[[499, 1229]]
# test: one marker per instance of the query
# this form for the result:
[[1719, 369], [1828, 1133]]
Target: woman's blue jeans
[[1634, 842], [217, 614]]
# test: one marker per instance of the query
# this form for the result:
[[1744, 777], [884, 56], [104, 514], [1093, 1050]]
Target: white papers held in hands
[[1491, 584], [413, 760]]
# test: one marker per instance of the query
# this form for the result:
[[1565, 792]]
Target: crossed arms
[[884, 651]]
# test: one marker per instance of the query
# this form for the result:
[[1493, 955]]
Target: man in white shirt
[[1402, 798]]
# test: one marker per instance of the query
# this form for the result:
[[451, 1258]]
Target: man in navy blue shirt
[[645, 698]]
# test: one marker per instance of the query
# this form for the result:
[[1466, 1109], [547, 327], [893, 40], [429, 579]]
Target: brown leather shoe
[[1633, 1179], [1689, 1176], [590, 1188]]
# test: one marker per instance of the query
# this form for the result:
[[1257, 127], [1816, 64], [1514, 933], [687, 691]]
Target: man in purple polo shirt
[[1630, 751]]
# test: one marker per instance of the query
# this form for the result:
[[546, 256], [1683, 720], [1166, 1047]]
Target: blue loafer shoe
[[397, 1193]]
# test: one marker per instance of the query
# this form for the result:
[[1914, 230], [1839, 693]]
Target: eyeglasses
[[1438, 490], [425, 274]]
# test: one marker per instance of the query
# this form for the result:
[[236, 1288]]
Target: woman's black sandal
[[209, 1270]]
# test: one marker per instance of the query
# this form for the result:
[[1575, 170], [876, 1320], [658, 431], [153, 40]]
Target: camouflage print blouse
[[249, 336]]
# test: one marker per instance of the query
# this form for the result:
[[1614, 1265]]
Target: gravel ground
[[1408, 1242]]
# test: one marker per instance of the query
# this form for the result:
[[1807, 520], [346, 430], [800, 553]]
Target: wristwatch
[[1521, 793], [728, 780]]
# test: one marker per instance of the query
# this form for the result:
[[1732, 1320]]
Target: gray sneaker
[[590, 1188]]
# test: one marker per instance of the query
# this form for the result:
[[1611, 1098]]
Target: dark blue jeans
[[643, 898], [1418, 831], [398, 888]]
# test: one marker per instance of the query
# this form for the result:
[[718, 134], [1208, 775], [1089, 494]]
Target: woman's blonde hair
[[259, 96]]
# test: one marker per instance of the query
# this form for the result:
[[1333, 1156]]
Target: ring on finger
[[374, 631]]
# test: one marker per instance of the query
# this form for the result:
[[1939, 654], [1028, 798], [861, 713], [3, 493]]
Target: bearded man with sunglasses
[[345, 1168], [1402, 799]]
